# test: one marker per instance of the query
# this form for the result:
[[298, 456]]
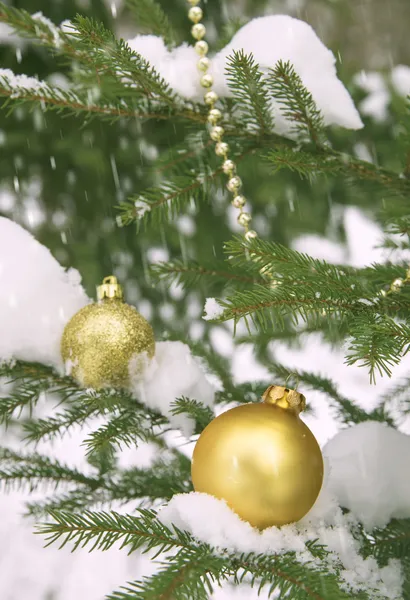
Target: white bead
[[210, 98], [198, 31], [234, 184], [201, 48], [239, 201], [195, 14], [217, 133], [229, 167], [203, 64], [214, 116], [207, 81], [244, 219], [250, 235], [221, 149]]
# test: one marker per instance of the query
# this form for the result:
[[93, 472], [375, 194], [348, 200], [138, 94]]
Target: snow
[[378, 88], [37, 297], [280, 37], [224, 530], [21, 81], [8, 37], [400, 78], [269, 39], [53, 29], [368, 466], [173, 373], [170, 64], [213, 310]]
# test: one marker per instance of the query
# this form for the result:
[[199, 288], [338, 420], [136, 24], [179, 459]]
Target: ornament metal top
[[261, 459], [103, 338]]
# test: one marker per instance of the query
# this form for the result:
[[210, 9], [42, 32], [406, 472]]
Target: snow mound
[[171, 374], [211, 521], [378, 89], [368, 470], [37, 297], [269, 39]]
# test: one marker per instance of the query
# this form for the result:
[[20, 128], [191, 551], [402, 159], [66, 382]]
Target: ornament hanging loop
[[278, 395], [296, 378], [110, 289]]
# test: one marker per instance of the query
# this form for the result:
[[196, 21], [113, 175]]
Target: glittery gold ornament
[[262, 459], [100, 340]]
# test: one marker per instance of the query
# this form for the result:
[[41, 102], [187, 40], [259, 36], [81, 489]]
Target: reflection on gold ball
[[262, 459], [100, 340]]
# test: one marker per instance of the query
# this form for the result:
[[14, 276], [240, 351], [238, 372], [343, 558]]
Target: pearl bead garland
[[214, 118]]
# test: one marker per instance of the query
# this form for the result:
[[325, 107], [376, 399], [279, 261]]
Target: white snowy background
[[27, 570]]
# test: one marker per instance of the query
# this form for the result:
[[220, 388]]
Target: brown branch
[[281, 302], [300, 584], [102, 110]]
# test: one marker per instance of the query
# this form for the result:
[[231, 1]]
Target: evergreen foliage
[[126, 110]]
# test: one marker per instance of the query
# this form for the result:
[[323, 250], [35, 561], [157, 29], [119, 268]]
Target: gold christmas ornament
[[100, 340], [261, 459]]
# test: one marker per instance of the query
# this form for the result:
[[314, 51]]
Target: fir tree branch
[[191, 274], [250, 91], [33, 470], [103, 530], [77, 500], [166, 200], [166, 477], [77, 103], [378, 343], [307, 164], [201, 414], [150, 18], [390, 542], [162, 202], [296, 101], [123, 429], [30, 382], [96, 48], [270, 307], [285, 265], [46, 429], [189, 576], [280, 572]]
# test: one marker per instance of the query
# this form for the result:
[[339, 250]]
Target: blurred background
[[63, 181]]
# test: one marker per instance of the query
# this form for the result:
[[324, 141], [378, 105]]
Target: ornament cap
[[110, 288], [283, 397]]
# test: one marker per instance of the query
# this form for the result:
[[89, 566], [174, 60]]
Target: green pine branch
[[296, 101], [80, 103], [391, 542], [165, 201], [250, 92], [378, 343], [195, 561], [164, 478], [286, 266], [192, 274], [29, 381], [202, 415], [150, 18], [126, 428], [19, 471], [192, 575]]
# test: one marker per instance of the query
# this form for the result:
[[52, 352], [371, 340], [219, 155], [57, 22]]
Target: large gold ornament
[[100, 340], [262, 459]]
